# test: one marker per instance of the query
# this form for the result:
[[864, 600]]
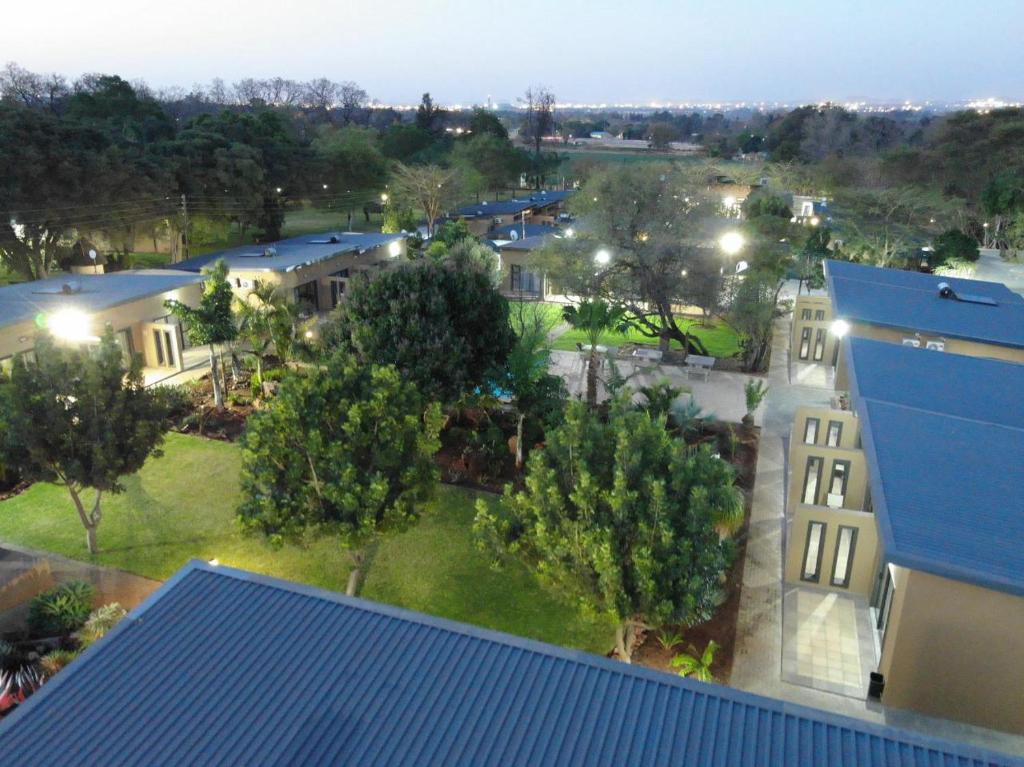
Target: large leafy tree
[[212, 322], [344, 449], [444, 327], [79, 417], [622, 517], [430, 188]]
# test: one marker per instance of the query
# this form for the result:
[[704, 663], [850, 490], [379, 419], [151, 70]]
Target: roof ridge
[[942, 413]]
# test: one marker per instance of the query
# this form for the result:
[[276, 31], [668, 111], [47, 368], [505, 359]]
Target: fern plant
[[697, 665]]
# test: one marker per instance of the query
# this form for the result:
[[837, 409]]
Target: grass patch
[[719, 339], [181, 506]]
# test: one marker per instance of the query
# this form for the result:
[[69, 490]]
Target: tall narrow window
[[885, 602], [805, 314], [819, 345], [837, 483], [813, 551], [811, 480], [835, 433], [846, 545], [811, 431], [819, 315], [158, 342], [805, 343]]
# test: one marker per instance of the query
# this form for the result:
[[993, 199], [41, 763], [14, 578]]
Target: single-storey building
[[912, 500], [541, 207], [312, 270], [77, 308], [221, 666], [972, 317]]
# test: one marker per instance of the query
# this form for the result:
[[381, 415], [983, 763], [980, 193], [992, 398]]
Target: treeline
[[102, 157]]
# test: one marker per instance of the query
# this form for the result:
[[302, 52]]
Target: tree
[[536, 394], [265, 319], [429, 117], [445, 328], [352, 100], [80, 417], [809, 259], [954, 245], [491, 161], [621, 517], [430, 187], [753, 313], [212, 322], [343, 449], [538, 123], [595, 318], [661, 135]]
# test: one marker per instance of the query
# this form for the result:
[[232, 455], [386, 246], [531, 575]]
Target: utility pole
[[184, 231]]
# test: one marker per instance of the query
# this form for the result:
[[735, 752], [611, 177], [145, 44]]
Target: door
[[846, 546], [805, 343], [819, 345], [814, 548]]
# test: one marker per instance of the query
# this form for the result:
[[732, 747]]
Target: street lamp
[[839, 328], [70, 325], [395, 249], [384, 197], [731, 243], [602, 257], [570, 232]]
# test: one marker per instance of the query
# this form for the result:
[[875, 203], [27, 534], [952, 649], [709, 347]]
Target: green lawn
[[181, 506], [719, 339]]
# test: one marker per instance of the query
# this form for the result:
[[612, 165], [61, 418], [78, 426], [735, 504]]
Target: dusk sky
[[627, 51]]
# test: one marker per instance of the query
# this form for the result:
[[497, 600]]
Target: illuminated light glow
[[815, 220], [839, 328], [683, 272], [309, 334], [570, 232], [215, 562], [731, 243], [383, 196], [729, 201], [395, 249], [70, 325], [602, 257]]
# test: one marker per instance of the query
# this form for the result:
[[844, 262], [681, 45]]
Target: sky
[[629, 51]]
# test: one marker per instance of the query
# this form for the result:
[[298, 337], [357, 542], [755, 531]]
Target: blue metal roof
[[511, 231], [911, 301], [225, 667], [943, 435], [89, 293], [487, 208], [291, 254]]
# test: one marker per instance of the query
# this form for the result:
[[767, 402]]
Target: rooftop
[[89, 293], [943, 435], [511, 207], [221, 666], [987, 312], [516, 231], [291, 254]]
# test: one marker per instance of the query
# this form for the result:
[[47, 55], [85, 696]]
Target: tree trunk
[[90, 519], [625, 633], [355, 578], [218, 392], [236, 368], [519, 442], [663, 342], [592, 378]]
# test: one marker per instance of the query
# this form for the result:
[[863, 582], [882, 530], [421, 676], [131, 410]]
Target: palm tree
[[263, 318], [697, 665], [595, 318], [526, 374]]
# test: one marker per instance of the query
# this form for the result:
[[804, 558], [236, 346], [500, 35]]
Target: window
[[835, 433], [811, 480], [811, 430], [837, 483], [819, 315], [819, 345], [884, 601], [805, 314], [515, 277], [812, 552], [308, 295], [158, 342], [846, 544], [805, 343]]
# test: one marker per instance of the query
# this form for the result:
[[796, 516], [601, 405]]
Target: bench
[[695, 363]]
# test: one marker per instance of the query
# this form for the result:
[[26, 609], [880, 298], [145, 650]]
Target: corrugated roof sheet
[[943, 435], [90, 292], [539, 199], [226, 667], [291, 254], [910, 300]]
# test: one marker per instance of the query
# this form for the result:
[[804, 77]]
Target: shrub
[[100, 621], [54, 661], [660, 397], [954, 245], [61, 610], [754, 390]]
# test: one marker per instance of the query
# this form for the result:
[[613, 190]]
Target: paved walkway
[[757, 664]]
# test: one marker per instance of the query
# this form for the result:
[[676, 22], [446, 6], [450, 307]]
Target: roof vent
[[69, 288], [270, 252], [946, 291]]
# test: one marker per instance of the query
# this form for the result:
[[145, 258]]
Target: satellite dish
[[514, 234], [93, 254]]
